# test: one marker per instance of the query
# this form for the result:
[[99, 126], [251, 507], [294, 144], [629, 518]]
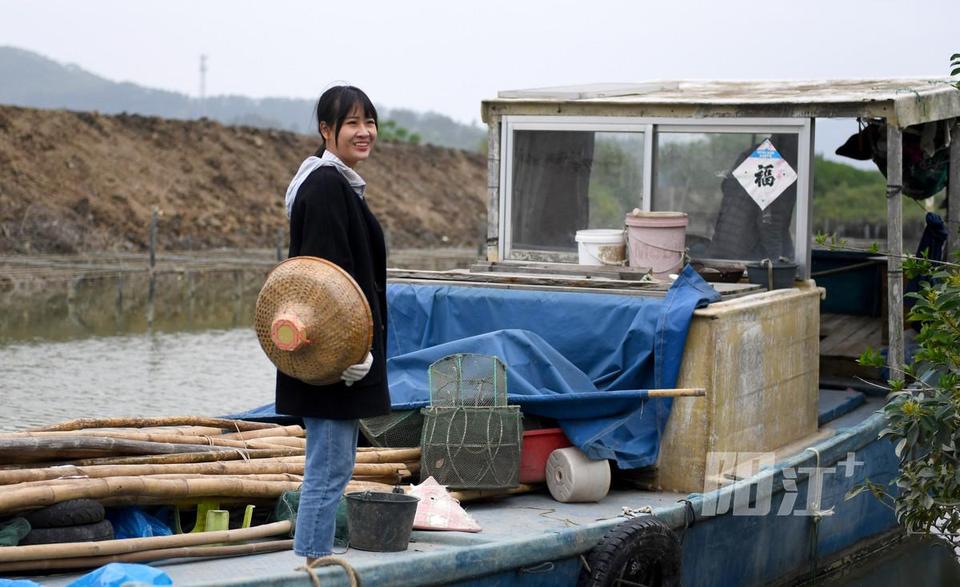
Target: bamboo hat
[[313, 320]]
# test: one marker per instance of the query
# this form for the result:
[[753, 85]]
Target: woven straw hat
[[313, 320]]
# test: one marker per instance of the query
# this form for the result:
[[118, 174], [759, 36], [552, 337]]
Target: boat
[[744, 486]]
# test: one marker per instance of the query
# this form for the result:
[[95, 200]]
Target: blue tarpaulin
[[583, 359]]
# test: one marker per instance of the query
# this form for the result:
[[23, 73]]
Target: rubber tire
[[102, 530], [642, 550], [74, 512]]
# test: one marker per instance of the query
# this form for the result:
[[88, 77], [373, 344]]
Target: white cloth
[[312, 163], [355, 373]]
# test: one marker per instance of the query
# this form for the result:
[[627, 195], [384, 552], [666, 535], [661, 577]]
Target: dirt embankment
[[79, 182]]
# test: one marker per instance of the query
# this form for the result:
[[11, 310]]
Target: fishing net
[[468, 380], [471, 437], [395, 430], [472, 448]]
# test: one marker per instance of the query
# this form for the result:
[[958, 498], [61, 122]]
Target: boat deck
[[843, 338], [515, 529]]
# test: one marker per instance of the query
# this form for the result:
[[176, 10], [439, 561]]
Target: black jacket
[[329, 221]]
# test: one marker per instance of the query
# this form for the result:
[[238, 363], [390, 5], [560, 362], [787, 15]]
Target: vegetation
[[923, 410], [390, 131], [843, 194]]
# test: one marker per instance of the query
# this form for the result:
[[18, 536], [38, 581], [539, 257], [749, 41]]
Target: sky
[[448, 55]]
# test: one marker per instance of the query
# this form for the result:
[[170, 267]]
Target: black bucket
[[380, 522], [772, 275]]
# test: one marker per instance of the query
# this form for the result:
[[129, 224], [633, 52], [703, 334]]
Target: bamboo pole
[[293, 430], [169, 438], [222, 423], [292, 441], [150, 555], [35, 552], [179, 431], [477, 494], [15, 499], [679, 392], [29, 450], [388, 455], [162, 477], [259, 466], [257, 443], [198, 457]]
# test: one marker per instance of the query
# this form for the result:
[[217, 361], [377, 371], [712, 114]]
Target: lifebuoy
[[640, 551]]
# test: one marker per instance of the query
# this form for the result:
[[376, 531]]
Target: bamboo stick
[[14, 499], [680, 392], [121, 546], [221, 423], [294, 441], [258, 466], [29, 450], [354, 486], [388, 455], [477, 494], [168, 438], [150, 555], [292, 430], [181, 431], [199, 457], [257, 443]]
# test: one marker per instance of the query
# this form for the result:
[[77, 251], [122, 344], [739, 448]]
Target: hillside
[[80, 181], [35, 81]]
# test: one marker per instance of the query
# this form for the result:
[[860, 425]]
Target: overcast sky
[[447, 55]]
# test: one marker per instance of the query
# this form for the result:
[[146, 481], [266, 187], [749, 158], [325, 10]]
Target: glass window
[[565, 181], [694, 174]]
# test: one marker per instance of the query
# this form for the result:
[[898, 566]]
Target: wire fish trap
[[400, 429], [472, 448], [468, 380]]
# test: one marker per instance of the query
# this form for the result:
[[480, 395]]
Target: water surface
[[208, 372]]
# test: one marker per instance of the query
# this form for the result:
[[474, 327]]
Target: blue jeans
[[331, 453]]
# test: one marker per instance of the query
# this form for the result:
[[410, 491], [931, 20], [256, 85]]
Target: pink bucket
[[656, 240]]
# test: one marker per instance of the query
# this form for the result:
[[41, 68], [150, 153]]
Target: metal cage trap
[[471, 437]]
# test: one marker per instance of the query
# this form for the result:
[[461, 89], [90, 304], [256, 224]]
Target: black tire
[[641, 551], [74, 512], [102, 530]]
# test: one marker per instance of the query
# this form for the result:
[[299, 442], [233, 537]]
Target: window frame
[[651, 129]]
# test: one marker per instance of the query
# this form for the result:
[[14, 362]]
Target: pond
[[207, 372]]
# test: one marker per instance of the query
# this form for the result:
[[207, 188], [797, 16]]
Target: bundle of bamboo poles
[[127, 461], [151, 461]]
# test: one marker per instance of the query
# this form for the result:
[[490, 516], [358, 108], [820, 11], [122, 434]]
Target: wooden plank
[[953, 192], [867, 335], [609, 272], [895, 249]]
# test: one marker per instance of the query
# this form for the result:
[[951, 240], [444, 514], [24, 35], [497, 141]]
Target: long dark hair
[[334, 106]]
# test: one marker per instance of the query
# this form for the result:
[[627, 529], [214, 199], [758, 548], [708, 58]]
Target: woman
[[329, 218]]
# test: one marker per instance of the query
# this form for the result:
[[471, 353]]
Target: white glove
[[355, 373]]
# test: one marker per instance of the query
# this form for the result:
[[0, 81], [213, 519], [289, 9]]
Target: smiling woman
[[329, 218]]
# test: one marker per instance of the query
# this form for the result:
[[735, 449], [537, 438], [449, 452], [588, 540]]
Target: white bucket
[[601, 246]]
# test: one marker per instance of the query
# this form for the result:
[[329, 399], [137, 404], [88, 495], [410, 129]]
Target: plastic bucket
[[778, 275], [657, 240], [537, 446], [380, 522], [600, 246]]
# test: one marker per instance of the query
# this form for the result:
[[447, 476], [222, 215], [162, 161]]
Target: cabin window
[[561, 174], [567, 180], [695, 174]]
